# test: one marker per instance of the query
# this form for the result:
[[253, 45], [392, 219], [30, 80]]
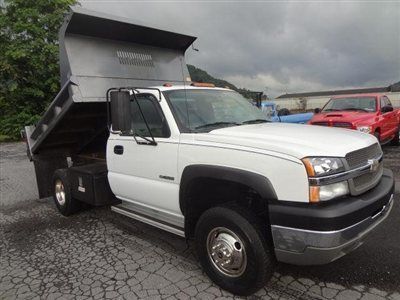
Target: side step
[[148, 220]]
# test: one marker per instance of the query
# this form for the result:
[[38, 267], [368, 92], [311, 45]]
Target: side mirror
[[317, 110], [386, 108], [121, 118]]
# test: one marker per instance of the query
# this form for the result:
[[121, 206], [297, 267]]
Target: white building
[[309, 101]]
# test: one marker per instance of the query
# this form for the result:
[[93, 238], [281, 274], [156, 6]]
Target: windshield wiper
[[256, 121], [353, 108], [216, 124], [331, 109]]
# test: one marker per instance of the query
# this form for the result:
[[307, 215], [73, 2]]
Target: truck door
[[389, 125], [145, 174]]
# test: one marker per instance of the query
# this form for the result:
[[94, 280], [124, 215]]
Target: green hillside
[[199, 75]]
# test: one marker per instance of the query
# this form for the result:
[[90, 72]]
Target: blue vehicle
[[283, 115]]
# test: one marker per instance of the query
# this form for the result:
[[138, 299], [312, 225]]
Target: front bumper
[[318, 234]]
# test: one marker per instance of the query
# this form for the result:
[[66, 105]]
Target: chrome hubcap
[[226, 251], [60, 192]]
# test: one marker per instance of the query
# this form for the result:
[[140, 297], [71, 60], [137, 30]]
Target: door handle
[[118, 149]]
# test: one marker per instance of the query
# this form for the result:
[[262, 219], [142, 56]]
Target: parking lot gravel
[[97, 254]]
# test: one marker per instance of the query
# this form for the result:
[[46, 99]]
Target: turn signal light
[[309, 167], [314, 194], [202, 84]]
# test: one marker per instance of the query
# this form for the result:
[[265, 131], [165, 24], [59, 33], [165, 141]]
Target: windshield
[[367, 104], [205, 110]]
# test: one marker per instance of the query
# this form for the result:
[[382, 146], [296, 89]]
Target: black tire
[[260, 261], [69, 205], [395, 141], [283, 112]]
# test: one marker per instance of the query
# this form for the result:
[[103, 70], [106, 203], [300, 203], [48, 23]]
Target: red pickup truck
[[369, 113]]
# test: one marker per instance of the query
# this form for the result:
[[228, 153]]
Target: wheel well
[[204, 193]]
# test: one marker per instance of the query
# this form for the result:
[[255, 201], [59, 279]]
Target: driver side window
[[153, 115], [385, 101]]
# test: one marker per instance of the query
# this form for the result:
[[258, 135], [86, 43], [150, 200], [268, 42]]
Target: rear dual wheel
[[63, 199], [233, 250]]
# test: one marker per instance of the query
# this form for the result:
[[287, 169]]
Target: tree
[[302, 103], [29, 69]]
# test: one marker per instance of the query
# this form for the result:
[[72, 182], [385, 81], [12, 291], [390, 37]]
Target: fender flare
[[259, 183]]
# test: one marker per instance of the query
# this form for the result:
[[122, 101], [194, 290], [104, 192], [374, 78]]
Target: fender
[[259, 183]]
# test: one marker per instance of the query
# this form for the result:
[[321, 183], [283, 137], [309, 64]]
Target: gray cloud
[[288, 46]]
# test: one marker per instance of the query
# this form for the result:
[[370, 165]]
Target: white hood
[[291, 139]]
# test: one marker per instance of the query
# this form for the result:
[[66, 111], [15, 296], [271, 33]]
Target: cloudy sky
[[281, 47]]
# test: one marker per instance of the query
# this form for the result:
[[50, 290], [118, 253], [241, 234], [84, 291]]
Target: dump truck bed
[[98, 52]]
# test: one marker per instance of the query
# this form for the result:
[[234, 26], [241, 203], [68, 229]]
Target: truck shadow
[[160, 238], [375, 264]]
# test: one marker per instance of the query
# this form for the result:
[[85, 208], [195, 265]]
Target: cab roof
[[188, 87], [358, 95]]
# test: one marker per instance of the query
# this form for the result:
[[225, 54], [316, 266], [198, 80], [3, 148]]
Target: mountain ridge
[[199, 75]]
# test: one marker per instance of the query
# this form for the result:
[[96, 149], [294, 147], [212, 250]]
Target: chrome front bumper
[[308, 247]]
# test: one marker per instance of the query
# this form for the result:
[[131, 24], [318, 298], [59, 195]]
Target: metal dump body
[[97, 52]]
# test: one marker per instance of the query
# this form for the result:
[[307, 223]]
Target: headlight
[[365, 129], [322, 166], [328, 192]]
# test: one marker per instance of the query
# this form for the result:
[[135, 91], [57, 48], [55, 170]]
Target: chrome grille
[[360, 157], [368, 180]]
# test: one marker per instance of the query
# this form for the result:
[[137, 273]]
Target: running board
[[145, 219]]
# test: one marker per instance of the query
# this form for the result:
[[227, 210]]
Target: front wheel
[[395, 141], [233, 251], [283, 112]]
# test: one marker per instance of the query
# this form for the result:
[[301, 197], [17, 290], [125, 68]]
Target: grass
[[6, 138]]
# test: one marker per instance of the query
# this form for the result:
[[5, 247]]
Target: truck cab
[[205, 162], [198, 161]]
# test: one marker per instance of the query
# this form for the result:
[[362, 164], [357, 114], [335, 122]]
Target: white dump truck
[[129, 129]]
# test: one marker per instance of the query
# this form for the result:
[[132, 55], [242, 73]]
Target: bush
[[11, 126], [29, 71]]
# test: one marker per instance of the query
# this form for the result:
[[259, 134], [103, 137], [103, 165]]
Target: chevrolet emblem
[[374, 164]]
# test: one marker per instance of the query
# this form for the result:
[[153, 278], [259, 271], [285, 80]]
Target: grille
[[135, 58], [334, 124], [360, 157], [368, 180], [321, 123], [341, 124]]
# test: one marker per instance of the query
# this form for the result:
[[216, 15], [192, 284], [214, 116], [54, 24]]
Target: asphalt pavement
[[97, 254]]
